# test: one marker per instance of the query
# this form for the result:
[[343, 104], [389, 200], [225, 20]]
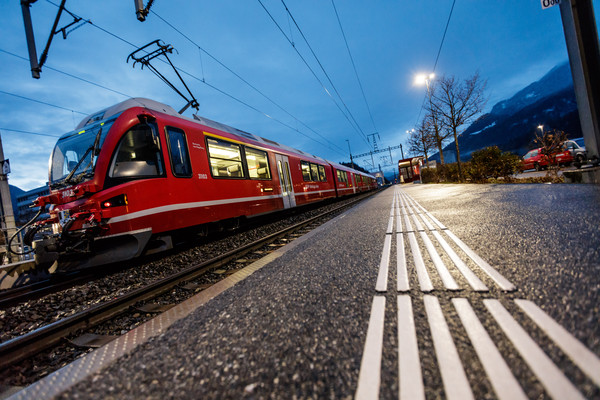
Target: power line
[[444, 37], [437, 57], [29, 133], [204, 82], [310, 69], [41, 102], [241, 78], [69, 75], [321, 65], [354, 67]]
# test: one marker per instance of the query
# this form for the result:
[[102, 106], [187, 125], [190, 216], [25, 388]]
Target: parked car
[[577, 149], [536, 159]]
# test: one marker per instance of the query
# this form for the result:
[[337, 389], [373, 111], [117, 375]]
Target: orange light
[[107, 204]]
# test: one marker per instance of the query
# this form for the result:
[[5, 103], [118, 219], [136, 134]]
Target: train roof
[[160, 107], [163, 108], [246, 135]]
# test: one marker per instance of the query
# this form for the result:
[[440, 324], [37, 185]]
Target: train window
[[314, 172], [225, 158], [258, 164], [322, 175], [178, 150], [305, 170], [138, 154], [342, 177]]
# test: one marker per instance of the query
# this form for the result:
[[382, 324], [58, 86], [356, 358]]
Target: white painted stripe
[[487, 268], [382, 277], [415, 213], [407, 224], [418, 225], [557, 385], [398, 222], [314, 192], [369, 377], [447, 279], [390, 228], [426, 221], [409, 364], [503, 381], [402, 206], [469, 275], [577, 352], [456, 384], [422, 275], [183, 206], [434, 219], [401, 271]]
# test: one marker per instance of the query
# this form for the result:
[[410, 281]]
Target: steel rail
[[34, 342]]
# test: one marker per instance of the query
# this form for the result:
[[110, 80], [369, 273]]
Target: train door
[[287, 188]]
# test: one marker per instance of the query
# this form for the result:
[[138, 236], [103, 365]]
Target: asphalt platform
[[383, 301]]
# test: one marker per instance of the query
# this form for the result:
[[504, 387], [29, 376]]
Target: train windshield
[[75, 154]]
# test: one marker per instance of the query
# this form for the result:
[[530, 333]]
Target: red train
[[132, 174]]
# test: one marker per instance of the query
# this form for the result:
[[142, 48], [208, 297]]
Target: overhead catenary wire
[[69, 75], [241, 78], [313, 72], [437, 59], [354, 66], [211, 86], [41, 102], [321, 65], [29, 132]]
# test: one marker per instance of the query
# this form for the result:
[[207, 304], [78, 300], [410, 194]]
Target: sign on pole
[[5, 167], [549, 3]]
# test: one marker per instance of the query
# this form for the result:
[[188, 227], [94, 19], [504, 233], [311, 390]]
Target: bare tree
[[457, 103], [422, 139], [551, 143], [439, 132]]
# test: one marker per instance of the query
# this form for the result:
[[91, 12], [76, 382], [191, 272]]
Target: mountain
[[511, 124]]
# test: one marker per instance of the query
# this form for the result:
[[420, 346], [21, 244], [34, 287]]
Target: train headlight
[[120, 200]]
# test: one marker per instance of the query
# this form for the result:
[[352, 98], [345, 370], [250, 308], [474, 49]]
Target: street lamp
[[541, 128], [421, 79]]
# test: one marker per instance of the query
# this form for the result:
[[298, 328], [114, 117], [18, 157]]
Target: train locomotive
[[132, 174]]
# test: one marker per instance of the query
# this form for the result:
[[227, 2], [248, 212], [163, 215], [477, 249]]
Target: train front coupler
[[73, 238]]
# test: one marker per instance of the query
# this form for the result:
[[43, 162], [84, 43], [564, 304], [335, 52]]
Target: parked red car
[[535, 159]]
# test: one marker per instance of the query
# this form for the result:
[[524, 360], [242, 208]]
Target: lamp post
[[424, 79]]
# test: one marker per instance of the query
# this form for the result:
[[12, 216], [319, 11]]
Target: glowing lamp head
[[423, 79]]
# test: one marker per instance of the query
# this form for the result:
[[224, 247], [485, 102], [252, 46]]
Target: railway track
[[34, 342]]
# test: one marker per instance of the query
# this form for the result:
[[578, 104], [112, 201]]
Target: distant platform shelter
[[409, 169]]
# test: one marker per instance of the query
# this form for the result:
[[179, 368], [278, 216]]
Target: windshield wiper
[[94, 150]]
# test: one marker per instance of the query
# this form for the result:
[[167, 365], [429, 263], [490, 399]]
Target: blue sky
[[511, 43]]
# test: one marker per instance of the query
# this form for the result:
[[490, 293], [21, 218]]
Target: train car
[[132, 174], [343, 179]]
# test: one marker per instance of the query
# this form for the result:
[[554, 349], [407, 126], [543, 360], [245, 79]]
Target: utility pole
[[581, 36], [350, 151], [9, 226], [374, 140]]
